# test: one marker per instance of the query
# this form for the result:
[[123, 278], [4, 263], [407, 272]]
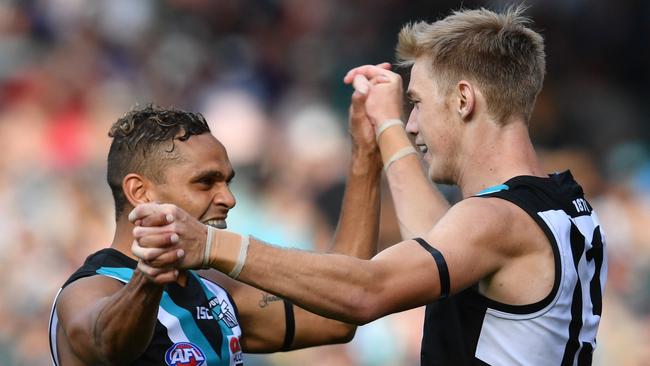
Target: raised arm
[[102, 321], [358, 227], [419, 205], [262, 315]]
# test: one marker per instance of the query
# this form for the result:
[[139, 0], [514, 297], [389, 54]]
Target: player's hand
[[359, 126], [384, 97], [159, 276], [167, 237]]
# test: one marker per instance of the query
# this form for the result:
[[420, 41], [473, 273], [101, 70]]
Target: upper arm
[[471, 238], [78, 306], [263, 321]]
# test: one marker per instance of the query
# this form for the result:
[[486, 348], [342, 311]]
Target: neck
[[492, 154]]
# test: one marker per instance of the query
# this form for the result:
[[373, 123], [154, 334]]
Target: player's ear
[[137, 189], [465, 99]]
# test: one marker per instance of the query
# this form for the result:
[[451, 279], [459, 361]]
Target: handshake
[[168, 239]]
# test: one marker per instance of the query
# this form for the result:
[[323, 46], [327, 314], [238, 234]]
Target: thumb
[[361, 84]]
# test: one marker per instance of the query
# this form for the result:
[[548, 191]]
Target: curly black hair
[[143, 143]]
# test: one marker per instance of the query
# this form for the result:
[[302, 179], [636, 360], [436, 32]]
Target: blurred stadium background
[[267, 75]]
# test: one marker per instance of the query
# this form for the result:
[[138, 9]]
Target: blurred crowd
[[267, 75]]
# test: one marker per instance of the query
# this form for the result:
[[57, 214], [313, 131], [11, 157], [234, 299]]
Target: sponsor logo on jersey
[[221, 311], [203, 313], [184, 354], [236, 354]]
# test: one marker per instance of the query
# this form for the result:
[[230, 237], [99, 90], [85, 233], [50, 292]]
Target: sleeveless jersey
[[470, 329], [197, 324]]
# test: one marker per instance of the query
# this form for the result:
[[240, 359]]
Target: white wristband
[[208, 246], [241, 259], [398, 155], [385, 125]]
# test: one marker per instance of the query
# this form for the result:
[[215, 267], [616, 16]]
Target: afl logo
[[184, 354]]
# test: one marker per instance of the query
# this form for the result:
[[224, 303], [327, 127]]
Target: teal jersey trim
[[185, 318], [209, 294], [120, 273], [216, 311], [493, 189], [190, 328]]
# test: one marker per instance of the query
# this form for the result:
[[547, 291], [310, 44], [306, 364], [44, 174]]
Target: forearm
[[418, 203], [332, 285], [358, 226], [123, 324]]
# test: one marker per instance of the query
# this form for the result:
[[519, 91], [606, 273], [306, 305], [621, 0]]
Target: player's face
[[435, 128], [199, 181]]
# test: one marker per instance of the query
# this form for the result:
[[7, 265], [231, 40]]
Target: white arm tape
[[385, 125], [208, 246], [398, 155], [241, 259]]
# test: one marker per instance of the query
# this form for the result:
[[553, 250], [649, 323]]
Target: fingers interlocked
[[156, 235], [378, 89]]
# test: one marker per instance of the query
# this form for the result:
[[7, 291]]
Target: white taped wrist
[[386, 125], [398, 155], [241, 258], [208, 246]]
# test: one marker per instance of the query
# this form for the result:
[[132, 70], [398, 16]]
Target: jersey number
[[594, 256]]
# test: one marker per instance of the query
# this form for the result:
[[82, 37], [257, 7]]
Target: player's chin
[[438, 173]]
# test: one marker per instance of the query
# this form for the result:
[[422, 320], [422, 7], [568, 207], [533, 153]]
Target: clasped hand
[[166, 239], [382, 89]]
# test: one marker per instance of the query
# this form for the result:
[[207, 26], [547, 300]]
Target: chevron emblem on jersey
[[222, 311]]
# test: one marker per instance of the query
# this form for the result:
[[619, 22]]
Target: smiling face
[[198, 181], [437, 129]]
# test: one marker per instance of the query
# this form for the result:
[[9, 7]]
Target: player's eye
[[207, 182]]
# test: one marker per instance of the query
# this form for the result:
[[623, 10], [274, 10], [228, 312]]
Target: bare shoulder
[[514, 230], [485, 216], [83, 293], [492, 221], [490, 207]]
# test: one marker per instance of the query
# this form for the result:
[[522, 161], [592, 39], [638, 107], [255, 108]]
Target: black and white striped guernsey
[[560, 330], [197, 324]]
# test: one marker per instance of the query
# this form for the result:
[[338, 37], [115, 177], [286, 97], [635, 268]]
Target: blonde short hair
[[497, 51]]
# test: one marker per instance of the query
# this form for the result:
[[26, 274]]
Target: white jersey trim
[[540, 338]]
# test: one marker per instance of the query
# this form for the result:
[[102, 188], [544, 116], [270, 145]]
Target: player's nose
[[225, 198], [412, 124]]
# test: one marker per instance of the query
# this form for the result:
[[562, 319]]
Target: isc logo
[[184, 354], [203, 313]]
